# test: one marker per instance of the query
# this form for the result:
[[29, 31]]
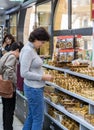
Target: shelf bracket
[[83, 128], [91, 109]]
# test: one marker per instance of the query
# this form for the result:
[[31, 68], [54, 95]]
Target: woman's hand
[[47, 77], [4, 44]]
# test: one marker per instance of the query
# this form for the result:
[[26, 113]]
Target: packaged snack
[[70, 42], [69, 56]]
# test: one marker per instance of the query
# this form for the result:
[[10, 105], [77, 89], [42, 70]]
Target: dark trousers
[[8, 112]]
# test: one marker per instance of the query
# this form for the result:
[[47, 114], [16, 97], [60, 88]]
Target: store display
[[73, 96], [65, 46], [74, 84], [63, 119], [67, 49], [69, 98]]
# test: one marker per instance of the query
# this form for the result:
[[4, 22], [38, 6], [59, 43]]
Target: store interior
[[69, 56]]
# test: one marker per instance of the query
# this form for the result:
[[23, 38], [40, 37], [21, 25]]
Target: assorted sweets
[[90, 118], [67, 48], [65, 58], [84, 70], [74, 84], [82, 66], [64, 42], [71, 104], [64, 45], [63, 119]]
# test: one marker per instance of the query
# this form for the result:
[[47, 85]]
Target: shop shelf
[[56, 122], [70, 72], [74, 117], [71, 93]]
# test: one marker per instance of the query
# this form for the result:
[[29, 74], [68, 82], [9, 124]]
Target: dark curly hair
[[10, 37], [39, 34]]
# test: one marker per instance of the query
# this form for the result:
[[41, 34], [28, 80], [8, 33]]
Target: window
[[81, 14], [43, 15], [61, 15], [13, 25], [43, 18], [29, 22]]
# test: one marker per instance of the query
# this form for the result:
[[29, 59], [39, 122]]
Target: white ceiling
[[6, 4]]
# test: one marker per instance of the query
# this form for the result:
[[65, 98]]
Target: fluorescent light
[[17, 0], [1, 8]]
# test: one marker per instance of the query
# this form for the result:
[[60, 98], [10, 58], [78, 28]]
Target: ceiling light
[[1, 8]]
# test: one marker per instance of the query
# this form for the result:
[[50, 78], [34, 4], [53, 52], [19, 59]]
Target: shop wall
[[2, 20]]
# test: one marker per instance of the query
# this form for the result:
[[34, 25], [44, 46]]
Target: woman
[[6, 44], [34, 78], [10, 59]]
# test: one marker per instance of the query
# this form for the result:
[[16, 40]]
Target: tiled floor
[[17, 124]]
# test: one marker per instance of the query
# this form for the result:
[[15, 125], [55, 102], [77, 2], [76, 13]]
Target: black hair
[[16, 46], [10, 37], [21, 44], [39, 34]]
